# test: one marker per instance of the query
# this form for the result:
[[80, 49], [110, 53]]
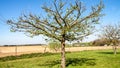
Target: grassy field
[[11, 50], [83, 59]]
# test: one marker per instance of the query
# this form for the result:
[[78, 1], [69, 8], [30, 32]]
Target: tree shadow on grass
[[72, 62], [24, 56], [107, 52]]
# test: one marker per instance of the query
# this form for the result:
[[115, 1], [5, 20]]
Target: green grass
[[32, 55], [84, 59]]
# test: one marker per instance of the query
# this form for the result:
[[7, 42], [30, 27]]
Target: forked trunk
[[63, 54]]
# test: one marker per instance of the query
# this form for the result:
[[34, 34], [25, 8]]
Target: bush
[[82, 44], [101, 42]]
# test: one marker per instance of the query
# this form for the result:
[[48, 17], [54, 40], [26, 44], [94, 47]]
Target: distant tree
[[112, 34], [100, 42], [54, 45], [63, 21], [16, 50]]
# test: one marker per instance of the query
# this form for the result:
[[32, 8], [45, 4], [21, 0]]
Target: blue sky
[[12, 9]]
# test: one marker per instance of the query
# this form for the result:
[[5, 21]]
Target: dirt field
[[7, 51]]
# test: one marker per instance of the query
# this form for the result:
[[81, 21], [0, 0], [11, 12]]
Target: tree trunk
[[115, 50], [63, 53], [45, 49], [16, 50]]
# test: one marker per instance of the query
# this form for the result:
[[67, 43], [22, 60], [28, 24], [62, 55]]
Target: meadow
[[80, 59], [11, 50]]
